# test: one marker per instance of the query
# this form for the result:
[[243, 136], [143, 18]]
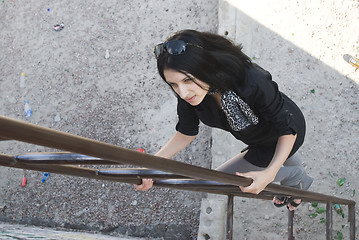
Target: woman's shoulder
[[255, 77], [255, 74]]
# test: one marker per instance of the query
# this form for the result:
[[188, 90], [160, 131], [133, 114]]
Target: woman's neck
[[217, 98]]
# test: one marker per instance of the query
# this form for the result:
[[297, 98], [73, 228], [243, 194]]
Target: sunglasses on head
[[174, 47]]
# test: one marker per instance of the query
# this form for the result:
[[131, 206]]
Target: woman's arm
[[284, 147], [262, 178], [177, 143]]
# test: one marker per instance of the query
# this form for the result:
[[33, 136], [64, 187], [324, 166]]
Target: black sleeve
[[188, 121], [271, 105]]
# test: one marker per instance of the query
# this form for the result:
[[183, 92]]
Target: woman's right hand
[[177, 143], [146, 184]]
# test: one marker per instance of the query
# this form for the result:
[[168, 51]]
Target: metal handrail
[[178, 175]]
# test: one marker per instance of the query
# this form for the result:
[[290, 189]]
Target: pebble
[[107, 54], [80, 213], [11, 99], [134, 203], [57, 118]]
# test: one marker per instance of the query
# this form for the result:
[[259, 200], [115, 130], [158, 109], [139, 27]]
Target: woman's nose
[[183, 91]]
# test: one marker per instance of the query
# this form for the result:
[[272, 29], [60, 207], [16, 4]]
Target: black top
[[277, 114]]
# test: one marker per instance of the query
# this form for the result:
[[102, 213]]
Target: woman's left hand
[[260, 180]]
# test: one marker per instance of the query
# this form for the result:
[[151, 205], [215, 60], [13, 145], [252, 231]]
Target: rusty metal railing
[[167, 173]]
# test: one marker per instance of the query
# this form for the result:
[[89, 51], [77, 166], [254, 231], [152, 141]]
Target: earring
[[212, 91]]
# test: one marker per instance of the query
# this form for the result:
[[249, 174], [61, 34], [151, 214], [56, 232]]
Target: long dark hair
[[217, 62]]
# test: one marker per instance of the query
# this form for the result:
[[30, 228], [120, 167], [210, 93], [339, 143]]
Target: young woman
[[217, 84]]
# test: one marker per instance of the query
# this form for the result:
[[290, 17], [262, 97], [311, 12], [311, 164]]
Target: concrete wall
[[302, 44], [121, 100]]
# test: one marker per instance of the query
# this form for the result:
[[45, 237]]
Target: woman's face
[[187, 87]]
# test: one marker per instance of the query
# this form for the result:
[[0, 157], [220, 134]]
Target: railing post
[[329, 221], [229, 232], [290, 225], [351, 219]]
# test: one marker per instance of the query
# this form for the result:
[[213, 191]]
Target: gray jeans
[[291, 174]]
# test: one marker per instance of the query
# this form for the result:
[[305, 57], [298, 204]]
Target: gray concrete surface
[[15, 231]]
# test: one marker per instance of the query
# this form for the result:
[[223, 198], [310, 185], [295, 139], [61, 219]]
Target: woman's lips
[[190, 99]]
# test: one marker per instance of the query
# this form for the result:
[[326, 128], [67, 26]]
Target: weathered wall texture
[[121, 100]]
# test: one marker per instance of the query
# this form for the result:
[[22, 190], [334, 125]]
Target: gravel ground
[[74, 87]]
